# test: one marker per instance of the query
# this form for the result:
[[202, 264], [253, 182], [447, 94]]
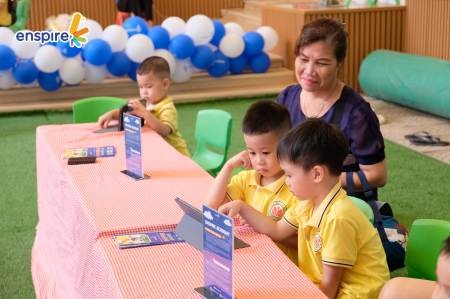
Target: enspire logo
[[74, 35]]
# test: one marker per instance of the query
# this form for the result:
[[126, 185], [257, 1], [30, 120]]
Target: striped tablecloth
[[82, 206]]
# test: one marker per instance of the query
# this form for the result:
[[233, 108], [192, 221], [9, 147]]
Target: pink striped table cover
[[82, 206]]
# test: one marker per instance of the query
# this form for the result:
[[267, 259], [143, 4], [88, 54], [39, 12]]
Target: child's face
[[301, 183], [152, 88], [263, 153], [442, 289]]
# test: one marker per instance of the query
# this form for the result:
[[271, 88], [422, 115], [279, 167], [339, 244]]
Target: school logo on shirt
[[317, 245], [277, 210]]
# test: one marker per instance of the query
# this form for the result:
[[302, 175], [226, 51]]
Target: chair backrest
[[364, 207], [90, 109], [424, 247], [213, 127]]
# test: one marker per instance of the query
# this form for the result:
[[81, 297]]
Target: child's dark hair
[[267, 116], [446, 250], [156, 65], [314, 142]]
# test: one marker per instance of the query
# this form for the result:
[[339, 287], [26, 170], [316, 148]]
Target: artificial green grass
[[417, 185]]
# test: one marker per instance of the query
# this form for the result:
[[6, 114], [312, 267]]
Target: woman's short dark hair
[[324, 29], [314, 142]]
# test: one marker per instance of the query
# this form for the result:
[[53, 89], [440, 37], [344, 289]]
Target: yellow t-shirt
[[339, 234], [273, 200], [166, 112], [5, 16]]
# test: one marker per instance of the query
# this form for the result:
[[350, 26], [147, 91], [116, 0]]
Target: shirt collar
[[275, 187], [158, 105], [320, 212]]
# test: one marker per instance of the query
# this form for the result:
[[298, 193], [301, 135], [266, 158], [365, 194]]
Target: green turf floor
[[417, 186]]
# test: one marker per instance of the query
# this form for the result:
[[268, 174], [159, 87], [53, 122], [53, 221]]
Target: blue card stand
[[133, 176], [205, 293]]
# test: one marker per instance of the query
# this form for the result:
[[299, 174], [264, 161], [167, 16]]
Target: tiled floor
[[401, 121]]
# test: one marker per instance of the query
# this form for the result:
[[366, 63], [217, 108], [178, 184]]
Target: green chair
[[23, 14], [364, 207], [424, 247], [90, 109], [213, 127]]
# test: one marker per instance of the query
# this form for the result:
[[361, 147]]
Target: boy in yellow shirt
[[338, 247], [160, 114], [264, 188]]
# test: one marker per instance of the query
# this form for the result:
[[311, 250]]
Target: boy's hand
[[243, 222], [138, 108], [104, 120], [231, 209], [241, 159]]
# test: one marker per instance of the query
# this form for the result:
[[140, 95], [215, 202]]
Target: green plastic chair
[[213, 127], [90, 109], [424, 247], [364, 207], [23, 14]]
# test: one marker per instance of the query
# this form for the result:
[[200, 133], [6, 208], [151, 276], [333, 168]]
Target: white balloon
[[29, 85], [116, 37], [183, 70], [95, 29], [196, 70], [168, 57], [94, 74], [174, 25], [6, 36], [24, 50], [201, 29], [139, 47], [6, 79], [109, 75], [232, 45], [48, 59], [72, 71], [270, 37], [212, 47], [233, 27]]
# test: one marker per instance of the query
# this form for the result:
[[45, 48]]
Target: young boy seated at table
[[263, 188], [160, 114], [338, 248]]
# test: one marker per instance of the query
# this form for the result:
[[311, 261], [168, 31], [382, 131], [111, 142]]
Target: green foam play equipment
[[90, 109], [213, 127], [424, 247], [418, 82], [23, 14]]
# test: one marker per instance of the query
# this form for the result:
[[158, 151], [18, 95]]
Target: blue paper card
[[101, 152], [218, 245], [132, 128], [145, 239]]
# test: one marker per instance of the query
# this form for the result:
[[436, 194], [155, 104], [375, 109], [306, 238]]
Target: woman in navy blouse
[[320, 52]]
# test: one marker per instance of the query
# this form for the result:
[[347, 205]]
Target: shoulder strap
[[341, 105]]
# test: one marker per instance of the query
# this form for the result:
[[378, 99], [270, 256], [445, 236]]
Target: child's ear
[[318, 173], [166, 83]]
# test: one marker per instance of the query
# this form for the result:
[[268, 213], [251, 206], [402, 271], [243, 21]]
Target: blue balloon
[[25, 71], [182, 46], [82, 55], [67, 50], [254, 43], [97, 52], [133, 69], [49, 43], [259, 63], [49, 81], [7, 58], [135, 25], [220, 66], [238, 64], [219, 33], [203, 57], [119, 65], [160, 37]]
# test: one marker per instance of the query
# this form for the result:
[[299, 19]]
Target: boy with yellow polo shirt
[[338, 247], [264, 188], [160, 114]]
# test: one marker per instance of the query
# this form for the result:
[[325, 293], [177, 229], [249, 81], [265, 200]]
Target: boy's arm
[[104, 120], [216, 195], [152, 121], [332, 276], [276, 230], [291, 242]]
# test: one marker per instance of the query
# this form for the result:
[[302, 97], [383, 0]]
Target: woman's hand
[[376, 175]]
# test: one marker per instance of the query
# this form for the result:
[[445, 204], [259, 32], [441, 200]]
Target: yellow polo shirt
[[273, 200], [338, 234], [166, 112], [5, 16]]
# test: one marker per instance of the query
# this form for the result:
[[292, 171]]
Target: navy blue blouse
[[359, 123]]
